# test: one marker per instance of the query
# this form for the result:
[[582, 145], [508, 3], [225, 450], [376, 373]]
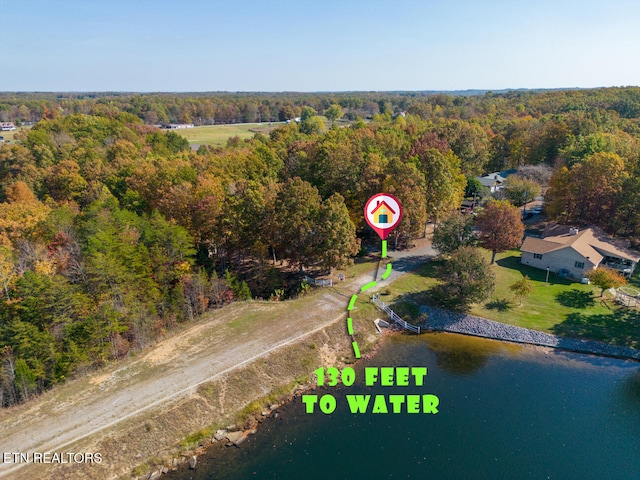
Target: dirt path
[[222, 341]]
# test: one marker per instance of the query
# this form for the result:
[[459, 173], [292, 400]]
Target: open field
[[217, 135], [9, 136], [561, 307]]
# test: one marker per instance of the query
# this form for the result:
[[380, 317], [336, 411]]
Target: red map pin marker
[[383, 213]]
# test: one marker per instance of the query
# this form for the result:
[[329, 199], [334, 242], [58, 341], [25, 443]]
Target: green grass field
[[561, 307], [217, 135]]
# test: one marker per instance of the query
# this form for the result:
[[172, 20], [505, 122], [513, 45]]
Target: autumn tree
[[296, 213], [467, 279], [499, 227], [19, 192], [444, 182], [589, 191], [605, 278], [7, 269], [454, 232], [405, 181], [336, 233], [627, 219], [541, 174], [286, 113], [468, 141], [522, 288]]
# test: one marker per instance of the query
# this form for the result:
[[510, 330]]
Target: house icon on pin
[[383, 214]]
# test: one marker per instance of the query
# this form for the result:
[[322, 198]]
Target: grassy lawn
[[218, 135], [635, 279], [560, 306]]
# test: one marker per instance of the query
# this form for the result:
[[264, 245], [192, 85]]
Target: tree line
[[113, 231]]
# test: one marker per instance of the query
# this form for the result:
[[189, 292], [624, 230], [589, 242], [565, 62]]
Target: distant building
[[495, 181], [178, 126], [7, 126]]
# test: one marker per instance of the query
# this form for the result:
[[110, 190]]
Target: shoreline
[[439, 320], [253, 421]]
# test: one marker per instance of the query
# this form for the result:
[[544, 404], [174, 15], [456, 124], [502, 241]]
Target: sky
[[309, 46]]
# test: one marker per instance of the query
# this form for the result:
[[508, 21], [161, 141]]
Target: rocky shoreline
[[231, 436], [440, 320]]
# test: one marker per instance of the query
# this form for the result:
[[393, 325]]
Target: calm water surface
[[506, 412]]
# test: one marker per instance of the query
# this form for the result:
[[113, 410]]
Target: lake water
[[505, 412]]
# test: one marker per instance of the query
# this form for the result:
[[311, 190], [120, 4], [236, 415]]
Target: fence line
[[627, 300], [375, 299], [318, 283]]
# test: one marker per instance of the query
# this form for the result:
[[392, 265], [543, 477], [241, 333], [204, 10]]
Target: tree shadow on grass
[[499, 304], [576, 299], [407, 305], [513, 262], [622, 327]]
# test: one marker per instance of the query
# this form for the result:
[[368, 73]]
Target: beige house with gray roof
[[573, 252]]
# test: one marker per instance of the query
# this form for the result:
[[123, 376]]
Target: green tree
[[522, 288], [467, 279], [312, 125], [499, 227], [307, 113], [605, 278], [334, 112], [454, 232], [520, 190], [474, 187]]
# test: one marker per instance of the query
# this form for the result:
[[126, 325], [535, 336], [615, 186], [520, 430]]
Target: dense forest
[[113, 231]]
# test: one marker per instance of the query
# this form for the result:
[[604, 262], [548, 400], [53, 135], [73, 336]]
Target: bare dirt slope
[[221, 342]]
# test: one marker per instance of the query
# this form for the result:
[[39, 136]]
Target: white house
[[7, 126], [569, 251]]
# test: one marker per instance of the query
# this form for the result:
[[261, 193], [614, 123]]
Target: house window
[[383, 218], [579, 265], [537, 256]]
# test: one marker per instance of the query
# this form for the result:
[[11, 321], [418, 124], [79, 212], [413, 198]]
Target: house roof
[[380, 205], [495, 178], [491, 180], [592, 243]]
